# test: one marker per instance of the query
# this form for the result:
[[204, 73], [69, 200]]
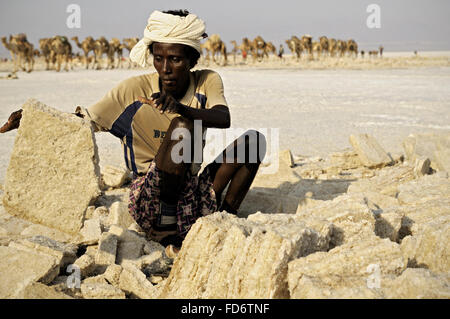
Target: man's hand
[[163, 102], [13, 122]]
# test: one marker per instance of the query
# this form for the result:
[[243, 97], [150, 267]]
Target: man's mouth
[[169, 81]]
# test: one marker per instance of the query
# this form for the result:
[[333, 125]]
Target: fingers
[[169, 105], [162, 102], [4, 128], [12, 123]]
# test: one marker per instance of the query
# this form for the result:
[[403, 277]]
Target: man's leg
[[172, 181], [173, 174], [239, 170]]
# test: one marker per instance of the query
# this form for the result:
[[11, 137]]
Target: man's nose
[[166, 66]]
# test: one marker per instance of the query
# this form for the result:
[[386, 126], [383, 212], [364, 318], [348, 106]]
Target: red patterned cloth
[[197, 199]]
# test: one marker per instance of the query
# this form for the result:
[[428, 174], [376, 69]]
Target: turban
[[168, 28]]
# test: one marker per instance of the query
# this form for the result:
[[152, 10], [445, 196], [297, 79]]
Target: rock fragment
[[53, 173], [114, 177], [87, 265], [370, 153], [107, 248], [134, 283], [19, 268], [101, 291], [353, 270], [65, 254], [418, 283], [434, 146], [227, 257], [91, 231], [119, 215], [36, 290]]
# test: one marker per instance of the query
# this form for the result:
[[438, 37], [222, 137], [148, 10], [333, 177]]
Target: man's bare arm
[[216, 117], [14, 121]]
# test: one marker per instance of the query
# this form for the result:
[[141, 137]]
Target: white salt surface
[[314, 110]]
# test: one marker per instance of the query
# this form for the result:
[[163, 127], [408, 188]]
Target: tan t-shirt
[[141, 127]]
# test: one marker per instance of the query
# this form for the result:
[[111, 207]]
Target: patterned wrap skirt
[[197, 199]]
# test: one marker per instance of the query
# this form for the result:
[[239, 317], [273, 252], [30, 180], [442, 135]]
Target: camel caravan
[[58, 52], [304, 48]]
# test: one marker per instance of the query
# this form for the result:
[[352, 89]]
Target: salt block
[[101, 291], [119, 215], [228, 257], [107, 249], [16, 270], [133, 282], [415, 283], [369, 151], [53, 174], [114, 177], [434, 146], [36, 290], [335, 274]]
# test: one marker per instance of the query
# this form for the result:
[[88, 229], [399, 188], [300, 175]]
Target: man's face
[[173, 67]]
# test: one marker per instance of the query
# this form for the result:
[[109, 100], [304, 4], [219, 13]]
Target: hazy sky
[[406, 25]]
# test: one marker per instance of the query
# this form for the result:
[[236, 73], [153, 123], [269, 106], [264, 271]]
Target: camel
[[129, 43], [61, 51], [269, 48], [205, 46], [295, 45], [234, 50], [215, 46], [116, 47], [77, 59], [307, 45], [341, 47], [10, 49], [258, 46], [317, 48], [245, 48], [324, 45], [101, 46], [373, 53], [45, 44], [332, 47], [21, 52], [86, 46], [352, 48]]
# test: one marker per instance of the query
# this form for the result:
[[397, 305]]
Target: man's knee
[[181, 123], [254, 143]]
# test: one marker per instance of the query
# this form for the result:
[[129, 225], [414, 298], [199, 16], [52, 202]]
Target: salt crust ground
[[314, 110]]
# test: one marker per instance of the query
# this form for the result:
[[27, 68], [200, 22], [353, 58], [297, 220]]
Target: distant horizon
[[404, 25]]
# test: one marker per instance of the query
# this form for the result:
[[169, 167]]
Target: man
[[149, 113], [281, 52]]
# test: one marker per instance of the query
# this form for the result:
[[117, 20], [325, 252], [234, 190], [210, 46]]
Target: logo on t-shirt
[[159, 134]]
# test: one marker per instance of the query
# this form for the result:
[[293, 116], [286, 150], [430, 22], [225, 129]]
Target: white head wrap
[[168, 28]]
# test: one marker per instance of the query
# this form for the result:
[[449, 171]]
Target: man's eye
[[157, 58], [176, 59]]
